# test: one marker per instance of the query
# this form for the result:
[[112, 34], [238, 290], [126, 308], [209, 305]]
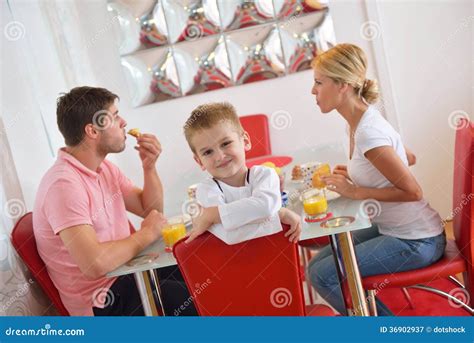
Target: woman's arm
[[385, 159], [410, 156]]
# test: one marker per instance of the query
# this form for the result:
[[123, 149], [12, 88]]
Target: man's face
[[112, 136]]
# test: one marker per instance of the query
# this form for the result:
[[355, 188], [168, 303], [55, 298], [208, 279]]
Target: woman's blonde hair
[[347, 63]]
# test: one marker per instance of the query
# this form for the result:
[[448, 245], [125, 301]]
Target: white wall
[[429, 49], [290, 95], [412, 32]]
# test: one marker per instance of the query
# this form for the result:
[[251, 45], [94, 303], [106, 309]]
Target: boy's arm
[[264, 202], [289, 217]]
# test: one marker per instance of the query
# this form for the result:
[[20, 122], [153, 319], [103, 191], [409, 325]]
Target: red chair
[[305, 255], [459, 253], [260, 277], [256, 126], [23, 240]]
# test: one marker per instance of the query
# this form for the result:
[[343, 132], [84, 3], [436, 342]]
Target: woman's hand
[[340, 184], [341, 169]]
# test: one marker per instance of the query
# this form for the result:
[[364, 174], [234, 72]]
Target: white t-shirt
[[407, 220], [246, 212]]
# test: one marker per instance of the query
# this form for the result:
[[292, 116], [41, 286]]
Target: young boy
[[238, 203]]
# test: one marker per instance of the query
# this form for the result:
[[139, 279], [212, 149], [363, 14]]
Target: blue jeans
[[376, 254]]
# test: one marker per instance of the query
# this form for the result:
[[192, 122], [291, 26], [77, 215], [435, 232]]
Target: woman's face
[[327, 92]]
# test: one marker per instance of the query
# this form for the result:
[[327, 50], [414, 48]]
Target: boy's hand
[[203, 222], [289, 217]]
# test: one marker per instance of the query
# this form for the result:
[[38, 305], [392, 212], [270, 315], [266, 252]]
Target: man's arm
[[142, 201], [95, 259]]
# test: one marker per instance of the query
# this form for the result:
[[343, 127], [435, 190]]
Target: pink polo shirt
[[71, 194]]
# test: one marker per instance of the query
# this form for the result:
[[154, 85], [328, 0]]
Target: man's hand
[[149, 149], [153, 224], [289, 217], [203, 222]]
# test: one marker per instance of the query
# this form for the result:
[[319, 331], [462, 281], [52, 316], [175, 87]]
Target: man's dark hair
[[77, 108]]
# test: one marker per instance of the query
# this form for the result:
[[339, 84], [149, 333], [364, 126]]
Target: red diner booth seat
[[256, 126], [259, 277], [459, 253], [24, 242]]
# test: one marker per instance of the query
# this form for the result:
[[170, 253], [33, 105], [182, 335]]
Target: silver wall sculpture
[[174, 48]]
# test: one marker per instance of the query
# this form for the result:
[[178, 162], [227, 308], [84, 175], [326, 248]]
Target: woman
[[406, 233]]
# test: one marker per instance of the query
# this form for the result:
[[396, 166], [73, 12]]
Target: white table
[[146, 272], [343, 249]]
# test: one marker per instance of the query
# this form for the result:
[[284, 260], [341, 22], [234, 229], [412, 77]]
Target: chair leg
[[372, 303], [309, 288], [408, 298], [314, 295], [446, 295], [456, 281]]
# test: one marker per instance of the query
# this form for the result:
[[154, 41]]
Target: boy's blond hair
[[207, 115]]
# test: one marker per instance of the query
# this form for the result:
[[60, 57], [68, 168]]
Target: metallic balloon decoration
[[174, 48]]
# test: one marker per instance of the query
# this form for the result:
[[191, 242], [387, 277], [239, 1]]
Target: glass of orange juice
[[173, 232], [323, 169], [315, 204]]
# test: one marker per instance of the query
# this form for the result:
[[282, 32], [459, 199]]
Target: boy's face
[[221, 150]]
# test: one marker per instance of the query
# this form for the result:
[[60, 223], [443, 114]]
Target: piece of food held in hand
[[134, 132], [322, 170]]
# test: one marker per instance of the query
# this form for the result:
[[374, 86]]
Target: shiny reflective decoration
[[255, 54], [143, 259], [302, 38], [174, 48], [337, 222]]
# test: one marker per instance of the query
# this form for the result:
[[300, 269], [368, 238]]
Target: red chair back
[[24, 241], [259, 277], [257, 127], [463, 196]]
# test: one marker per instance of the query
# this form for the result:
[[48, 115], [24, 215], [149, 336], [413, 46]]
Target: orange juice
[[322, 170], [314, 203], [174, 231]]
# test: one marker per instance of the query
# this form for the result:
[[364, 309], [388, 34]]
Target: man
[[79, 218]]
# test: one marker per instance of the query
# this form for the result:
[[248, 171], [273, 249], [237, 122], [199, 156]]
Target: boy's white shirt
[[246, 212]]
